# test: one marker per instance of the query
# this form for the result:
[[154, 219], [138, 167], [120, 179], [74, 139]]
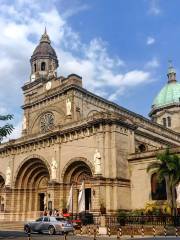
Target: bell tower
[[44, 62]]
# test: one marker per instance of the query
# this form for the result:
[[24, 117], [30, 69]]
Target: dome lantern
[[171, 73]]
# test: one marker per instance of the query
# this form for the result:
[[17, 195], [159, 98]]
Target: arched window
[[43, 66], [158, 190], [169, 121], [164, 122], [35, 67]]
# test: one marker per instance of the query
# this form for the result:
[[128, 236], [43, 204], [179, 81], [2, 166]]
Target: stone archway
[[2, 184], [76, 172], [30, 186]]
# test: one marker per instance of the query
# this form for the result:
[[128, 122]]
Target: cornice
[[66, 133], [155, 138], [116, 107]]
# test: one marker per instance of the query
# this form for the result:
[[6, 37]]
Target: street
[[19, 235]]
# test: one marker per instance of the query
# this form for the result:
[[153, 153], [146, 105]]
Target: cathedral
[[71, 136]]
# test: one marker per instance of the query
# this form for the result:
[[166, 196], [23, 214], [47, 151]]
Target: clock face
[[48, 85], [47, 122]]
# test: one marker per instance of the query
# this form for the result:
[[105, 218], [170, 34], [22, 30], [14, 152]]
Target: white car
[[51, 224]]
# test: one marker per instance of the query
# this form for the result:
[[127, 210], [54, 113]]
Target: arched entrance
[[2, 183], [75, 174], [31, 186]]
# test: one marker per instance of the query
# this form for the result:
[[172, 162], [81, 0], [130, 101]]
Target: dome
[[44, 49], [169, 94]]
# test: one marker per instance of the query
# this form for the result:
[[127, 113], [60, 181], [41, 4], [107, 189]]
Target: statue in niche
[[24, 123], [178, 194], [8, 177], [54, 169], [45, 201], [68, 107], [97, 162]]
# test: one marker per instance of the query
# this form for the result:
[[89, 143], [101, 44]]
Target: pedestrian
[[50, 213]]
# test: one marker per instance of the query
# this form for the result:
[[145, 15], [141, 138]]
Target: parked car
[[51, 224]]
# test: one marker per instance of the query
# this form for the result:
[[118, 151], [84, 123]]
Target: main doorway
[[41, 201], [88, 199]]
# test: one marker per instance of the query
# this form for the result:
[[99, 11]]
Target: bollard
[[109, 231], [94, 234], [97, 230], [165, 231], [132, 232], [89, 231], [81, 230], [154, 232], [176, 230], [118, 233], [65, 236], [142, 231], [29, 236]]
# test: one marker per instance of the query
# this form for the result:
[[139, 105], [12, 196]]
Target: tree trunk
[[173, 201]]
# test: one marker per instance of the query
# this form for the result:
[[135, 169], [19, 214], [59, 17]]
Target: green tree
[[7, 128], [167, 167]]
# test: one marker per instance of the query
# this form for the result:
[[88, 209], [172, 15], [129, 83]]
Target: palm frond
[[6, 117]]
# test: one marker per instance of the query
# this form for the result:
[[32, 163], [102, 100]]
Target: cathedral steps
[[12, 226]]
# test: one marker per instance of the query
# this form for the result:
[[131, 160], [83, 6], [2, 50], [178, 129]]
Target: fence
[[115, 220]]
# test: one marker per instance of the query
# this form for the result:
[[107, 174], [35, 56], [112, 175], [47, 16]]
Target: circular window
[[47, 122]]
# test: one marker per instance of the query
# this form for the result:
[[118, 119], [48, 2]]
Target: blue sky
[[121, 48]]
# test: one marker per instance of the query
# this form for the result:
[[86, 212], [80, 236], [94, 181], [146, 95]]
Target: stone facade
[[65, 122]]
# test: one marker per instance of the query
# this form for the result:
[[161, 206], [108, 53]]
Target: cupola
[[44, 60]]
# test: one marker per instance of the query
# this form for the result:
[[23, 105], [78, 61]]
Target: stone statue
[[178, 193], [8, 177], [24, 123], [45, 201], [54, 169], [97, 162], [68, 107]]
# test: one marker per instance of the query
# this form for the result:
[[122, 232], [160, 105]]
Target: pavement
[[19, 235]]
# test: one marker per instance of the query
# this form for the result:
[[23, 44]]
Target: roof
[[44, 49], [168, 95]]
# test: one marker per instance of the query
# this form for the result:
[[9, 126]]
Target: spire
[[45, 37], [171, 73]]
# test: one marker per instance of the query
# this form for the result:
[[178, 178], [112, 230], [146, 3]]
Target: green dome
[[168, 95]]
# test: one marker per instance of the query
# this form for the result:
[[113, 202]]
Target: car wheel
[[51, 230], [27, 229]]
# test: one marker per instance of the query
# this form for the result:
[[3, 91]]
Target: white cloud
[[153, 63], [150, 40], [22, 22], [154, 8], [129, 80]]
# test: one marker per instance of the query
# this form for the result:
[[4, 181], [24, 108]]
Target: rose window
[[47, 122]]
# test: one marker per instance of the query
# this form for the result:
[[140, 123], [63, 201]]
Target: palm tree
[[7, 128], [167, 167]]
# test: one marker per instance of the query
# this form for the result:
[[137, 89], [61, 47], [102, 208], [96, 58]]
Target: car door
[[37, 225], [45, 224]]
